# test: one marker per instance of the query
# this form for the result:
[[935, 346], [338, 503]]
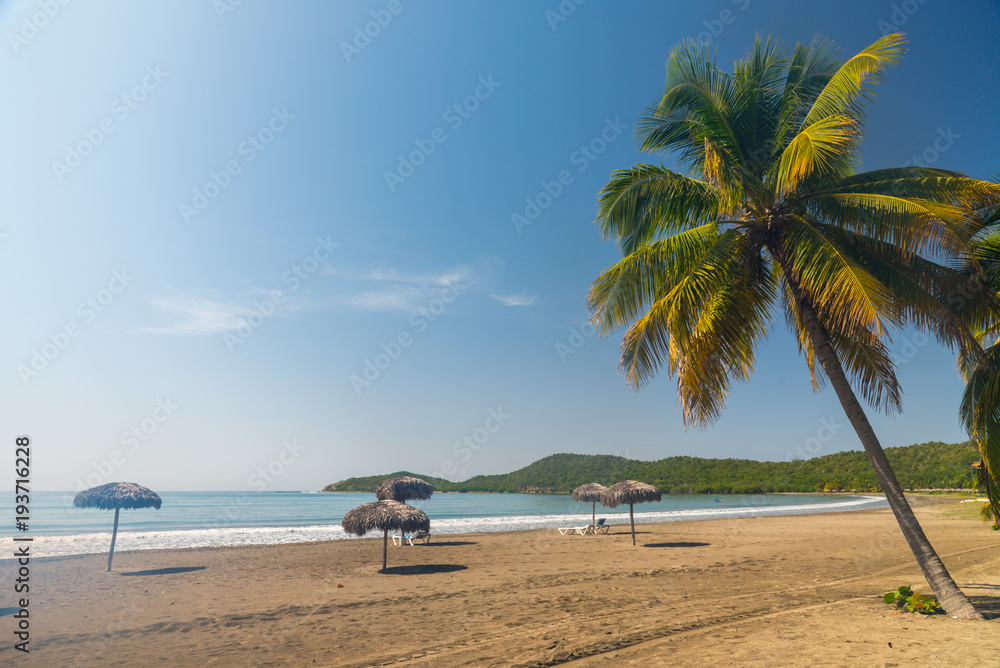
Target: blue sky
[[217, 219]]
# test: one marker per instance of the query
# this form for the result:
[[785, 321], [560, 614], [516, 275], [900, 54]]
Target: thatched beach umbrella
[[117, 495], [385, 516], [630, 492], [404, 487], [592, 493]]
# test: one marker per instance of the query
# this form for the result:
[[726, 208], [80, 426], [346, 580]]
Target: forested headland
[[932, 465]]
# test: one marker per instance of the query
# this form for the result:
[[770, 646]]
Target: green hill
[[931, 465], [369, 483]]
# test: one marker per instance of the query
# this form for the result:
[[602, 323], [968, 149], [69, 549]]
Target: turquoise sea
[[205, 519]]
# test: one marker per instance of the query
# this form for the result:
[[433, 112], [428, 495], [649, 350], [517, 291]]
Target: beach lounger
[[601, 526], [420, 535], [582, 530]]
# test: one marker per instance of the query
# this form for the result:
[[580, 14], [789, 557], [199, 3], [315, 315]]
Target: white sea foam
[[88, 543]]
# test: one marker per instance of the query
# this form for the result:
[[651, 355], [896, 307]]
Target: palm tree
[[980, 407], [773, 213]]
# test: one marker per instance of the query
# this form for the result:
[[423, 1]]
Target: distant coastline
[[932, 466]]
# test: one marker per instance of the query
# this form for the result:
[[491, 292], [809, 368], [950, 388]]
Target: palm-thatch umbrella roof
[[385, 516], [404, 487], [118, 495], [630, 492], [115, 496], [590, 492]]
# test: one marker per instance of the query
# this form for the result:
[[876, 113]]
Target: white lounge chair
[[420, 535], [582, 530], [601, 526]]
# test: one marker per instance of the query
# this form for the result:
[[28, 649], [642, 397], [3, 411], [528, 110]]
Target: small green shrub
[[905, 598]]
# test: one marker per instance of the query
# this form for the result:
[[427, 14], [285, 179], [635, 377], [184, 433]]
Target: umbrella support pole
[[631, 517], [385, 547], [593, 514], [114, 536]]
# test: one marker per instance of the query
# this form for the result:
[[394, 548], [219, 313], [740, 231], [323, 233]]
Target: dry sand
[[775, 591]]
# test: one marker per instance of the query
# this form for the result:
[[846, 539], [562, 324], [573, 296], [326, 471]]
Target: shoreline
[[621, 529], [733, 591], [845, 492], [142, 539]]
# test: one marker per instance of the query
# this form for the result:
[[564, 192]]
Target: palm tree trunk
[[114, 536], [948, 593]]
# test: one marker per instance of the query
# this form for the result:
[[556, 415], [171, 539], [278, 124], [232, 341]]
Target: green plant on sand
[[905, 598]]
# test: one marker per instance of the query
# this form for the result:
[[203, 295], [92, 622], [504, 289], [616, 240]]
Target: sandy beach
[[775, 591]]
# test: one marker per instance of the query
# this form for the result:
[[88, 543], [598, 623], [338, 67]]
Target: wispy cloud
[[461, 273], [385, 289], [522, 299], [379, 289], [200, 315], [197, 316], [391, 298]]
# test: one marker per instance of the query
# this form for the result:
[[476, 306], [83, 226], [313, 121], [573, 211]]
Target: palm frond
[[809, 70], [980, 415], [624, 290], [986, 252], [915, 225], [846, 296], [696, 104], [870, 367], [717, 347], [640, 204], [850, 86], [670, 322], [723, 349], [758, 85], [814, 151], [793, 319]]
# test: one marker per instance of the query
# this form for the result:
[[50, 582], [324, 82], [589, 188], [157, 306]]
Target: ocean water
[[207, 519]]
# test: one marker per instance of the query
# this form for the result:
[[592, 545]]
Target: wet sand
[[773, 591]]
